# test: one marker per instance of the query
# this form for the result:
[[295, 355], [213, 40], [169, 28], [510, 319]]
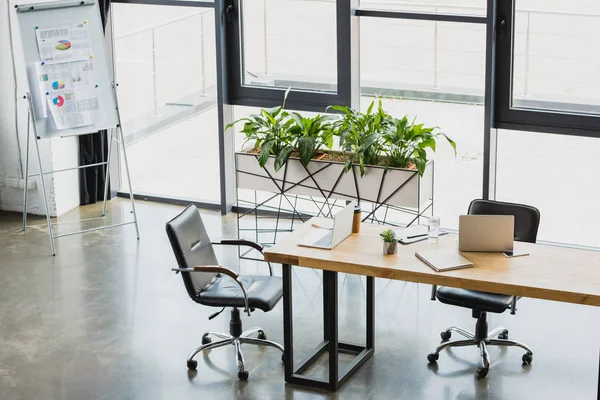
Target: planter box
[[326, 179]]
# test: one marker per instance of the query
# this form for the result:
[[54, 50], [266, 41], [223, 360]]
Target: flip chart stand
[[119, 139]]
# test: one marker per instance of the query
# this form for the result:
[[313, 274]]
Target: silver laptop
[[323, 238], [486, 232]]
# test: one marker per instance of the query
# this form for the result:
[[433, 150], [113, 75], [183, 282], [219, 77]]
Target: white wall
[[62, 191]]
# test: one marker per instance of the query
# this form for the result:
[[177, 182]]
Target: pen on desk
[[416, 236]]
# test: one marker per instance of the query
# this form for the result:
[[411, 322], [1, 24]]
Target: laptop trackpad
[[314, 236]]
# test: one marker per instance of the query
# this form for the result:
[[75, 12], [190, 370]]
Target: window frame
[[301, 100], [529, 119]]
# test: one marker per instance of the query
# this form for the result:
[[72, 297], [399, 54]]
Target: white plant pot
[[326, 179]]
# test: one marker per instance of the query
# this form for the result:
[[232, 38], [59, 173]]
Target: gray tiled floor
[[106, 319]]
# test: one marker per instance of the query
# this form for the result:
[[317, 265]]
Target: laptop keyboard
[[325, 241]]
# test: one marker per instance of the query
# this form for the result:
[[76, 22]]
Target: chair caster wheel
[[243, 376], [192, 364], [482, 372], [433, 357], [503, 335], [206, 339], [527, 358], [446, 335], [262, 335]]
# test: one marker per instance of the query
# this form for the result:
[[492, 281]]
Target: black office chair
[[212, 285], [527, 220]]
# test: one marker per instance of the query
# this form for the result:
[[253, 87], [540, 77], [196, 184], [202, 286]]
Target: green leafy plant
[[360, 134], [370, 138], [388, 236], [311, 134], [270, 131], [407, 143]]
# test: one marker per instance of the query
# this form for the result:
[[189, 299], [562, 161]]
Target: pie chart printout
[[63, 45], [58, 84], [58, 101]]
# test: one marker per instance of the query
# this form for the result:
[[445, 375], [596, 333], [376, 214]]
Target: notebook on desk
[[443, 259]]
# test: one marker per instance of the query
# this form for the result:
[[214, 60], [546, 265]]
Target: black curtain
[[93, 148]]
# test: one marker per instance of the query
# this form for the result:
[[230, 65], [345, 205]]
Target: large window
[[547, 66], [289, 43], [166, 69], [525, 69], [302, 45], [555, 64]]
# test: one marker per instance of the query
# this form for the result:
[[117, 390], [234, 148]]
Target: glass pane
[[459, 7], [166, 67], [290, 43], [558, 174], [556, 65], [422, 59], [433, 72]]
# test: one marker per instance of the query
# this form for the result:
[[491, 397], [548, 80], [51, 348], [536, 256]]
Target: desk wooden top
[[549, 272]]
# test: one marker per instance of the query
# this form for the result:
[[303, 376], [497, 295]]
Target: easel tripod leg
[[122, 139], [50, 232], [26, 177], [106, 181]]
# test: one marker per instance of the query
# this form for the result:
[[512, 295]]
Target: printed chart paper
[[68, 77], [72, 110], [64, 43]]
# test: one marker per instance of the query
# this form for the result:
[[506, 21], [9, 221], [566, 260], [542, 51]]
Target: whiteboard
[[32, 16]]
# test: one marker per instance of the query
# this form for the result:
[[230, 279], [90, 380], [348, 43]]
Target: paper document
[[63, 43], [72, 110], [55, 79]]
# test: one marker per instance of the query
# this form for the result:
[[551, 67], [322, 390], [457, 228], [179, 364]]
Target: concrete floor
[[107, 319]]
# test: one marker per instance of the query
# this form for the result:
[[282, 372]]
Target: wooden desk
[[549, 273]]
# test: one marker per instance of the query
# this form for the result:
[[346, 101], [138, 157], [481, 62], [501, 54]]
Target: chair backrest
[[192, 246], [527, 218]]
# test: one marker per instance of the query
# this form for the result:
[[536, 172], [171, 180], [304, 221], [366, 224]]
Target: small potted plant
[[390, 242]]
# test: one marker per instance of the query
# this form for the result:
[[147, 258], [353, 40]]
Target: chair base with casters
[[236, 337], [481, 338]]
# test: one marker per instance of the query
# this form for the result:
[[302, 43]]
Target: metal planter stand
[[264, 220]]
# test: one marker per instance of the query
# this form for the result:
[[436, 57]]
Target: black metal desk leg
[[330, 320], [370, 312], [288, 336], [330, 343]]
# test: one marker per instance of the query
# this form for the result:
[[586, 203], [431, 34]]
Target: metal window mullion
[[489, 133], [421, 16]]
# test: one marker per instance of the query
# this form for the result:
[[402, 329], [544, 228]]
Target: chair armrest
[[219, 270], [244, 242], [241, 242], [513, 305], [433, 292]]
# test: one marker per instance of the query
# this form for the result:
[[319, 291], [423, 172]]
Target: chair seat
[[263, 292], [482, 301]]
